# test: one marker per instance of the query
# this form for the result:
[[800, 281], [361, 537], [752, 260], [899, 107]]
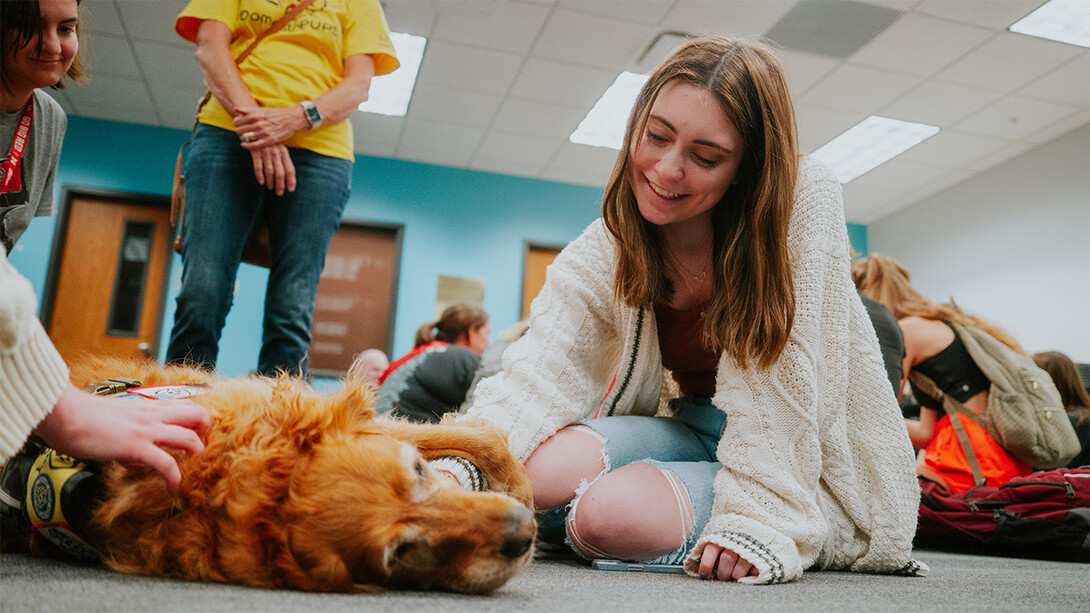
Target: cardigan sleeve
[[32, 373], [558, 371], [767, 506]]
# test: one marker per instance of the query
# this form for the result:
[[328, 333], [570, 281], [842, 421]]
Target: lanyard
[[12, 180]]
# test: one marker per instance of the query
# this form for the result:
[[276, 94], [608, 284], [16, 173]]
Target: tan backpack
[[1025, 413]]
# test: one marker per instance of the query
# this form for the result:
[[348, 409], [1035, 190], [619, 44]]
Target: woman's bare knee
[[636, 512], [562, 463]]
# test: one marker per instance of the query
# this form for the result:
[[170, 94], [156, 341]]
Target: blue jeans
[[684, 445], [224, 203]]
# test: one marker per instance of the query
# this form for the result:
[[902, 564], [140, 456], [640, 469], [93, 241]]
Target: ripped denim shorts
[[683, 444]]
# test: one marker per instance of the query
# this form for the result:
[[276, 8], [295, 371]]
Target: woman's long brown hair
[[885, 280], [752, 307]]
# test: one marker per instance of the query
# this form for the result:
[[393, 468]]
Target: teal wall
[[456, 222]]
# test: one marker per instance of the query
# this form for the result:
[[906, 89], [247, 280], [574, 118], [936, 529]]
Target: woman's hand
[[273, 168], [126, 430], [724, 565], [259, 127]]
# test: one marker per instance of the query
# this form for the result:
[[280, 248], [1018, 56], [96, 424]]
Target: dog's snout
[[519, 536]]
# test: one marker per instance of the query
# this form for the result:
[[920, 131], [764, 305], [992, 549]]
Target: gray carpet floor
[[961, 583]]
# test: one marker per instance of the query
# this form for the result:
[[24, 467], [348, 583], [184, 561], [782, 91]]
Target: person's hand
[[259, 127], [724, 565], [274, 169], [125, 430]]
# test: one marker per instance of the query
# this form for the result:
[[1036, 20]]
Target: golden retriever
[[298, 489]]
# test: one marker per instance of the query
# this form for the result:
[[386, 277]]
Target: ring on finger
[[248, 137]]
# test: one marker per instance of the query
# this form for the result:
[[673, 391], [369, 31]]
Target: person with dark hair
[[721, 256], [40, 46], [933, 349], [432, 379], [1076, 399], [40, 49]]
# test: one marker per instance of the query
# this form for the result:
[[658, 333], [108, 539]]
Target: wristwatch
[[312, 113]]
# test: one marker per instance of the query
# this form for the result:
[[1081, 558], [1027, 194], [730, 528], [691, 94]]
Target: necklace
[[703, 276]]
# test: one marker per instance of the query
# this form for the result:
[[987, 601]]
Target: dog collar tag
[[159, 392]]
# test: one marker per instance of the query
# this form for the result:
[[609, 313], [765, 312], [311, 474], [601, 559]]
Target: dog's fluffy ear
[[355, 401]]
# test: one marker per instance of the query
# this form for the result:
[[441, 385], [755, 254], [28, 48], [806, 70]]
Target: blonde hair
[[752, 307], [885, 280]]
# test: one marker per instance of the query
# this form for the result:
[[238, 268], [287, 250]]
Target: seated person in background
[[934, 350], [433, 378], [890, 340], [492, 358], [1065, 375], [369, 366]]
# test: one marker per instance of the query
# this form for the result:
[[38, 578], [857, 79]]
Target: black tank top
[[954, 372]]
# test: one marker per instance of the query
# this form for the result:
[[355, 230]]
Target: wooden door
[[357, 297], [110, 259], [537, 259]]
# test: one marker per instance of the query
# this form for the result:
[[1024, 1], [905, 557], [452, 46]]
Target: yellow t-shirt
[[301, 61]]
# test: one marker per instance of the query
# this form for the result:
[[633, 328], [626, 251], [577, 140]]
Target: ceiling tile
[[468, 67], [152, 20], [1069, 83], [861, 200], [935, 43], [455, 106], [505, 167], [373, 128], [110, 55], [1009, 61], [939, 103], [1003, 154], [592, 40], [581, 164], [1059, 128], [900, 175], [836, 28], [559, 83], [737, 17], [176, 103], [517, 148], [510, 27], [416, 18], [819, 125], [130, 96], [954, 149], [858, 88], [640, 11], [1016, 117], [990, 13], [423, 134], [439, 157], [171, 63], [537, 119], [100, 18], [805, 69]]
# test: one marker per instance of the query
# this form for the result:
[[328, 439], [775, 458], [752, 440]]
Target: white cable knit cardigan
[[32, 373], [817, 469]]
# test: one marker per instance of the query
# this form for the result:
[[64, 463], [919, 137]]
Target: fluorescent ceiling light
[[870, 143], [605, 123], [390, 93], [1066, 21]]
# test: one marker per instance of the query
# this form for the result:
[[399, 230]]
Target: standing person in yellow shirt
[[272, 141]]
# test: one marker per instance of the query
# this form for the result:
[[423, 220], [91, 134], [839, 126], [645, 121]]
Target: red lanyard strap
[[12, 180]]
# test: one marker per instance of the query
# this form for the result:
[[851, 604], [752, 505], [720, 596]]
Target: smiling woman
[[721, 257], [40, 46]]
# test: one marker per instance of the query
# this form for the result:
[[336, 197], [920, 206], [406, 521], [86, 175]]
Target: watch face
[[312, 113]]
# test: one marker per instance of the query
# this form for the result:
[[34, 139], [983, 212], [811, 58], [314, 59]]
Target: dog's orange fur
[[303, 490]]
